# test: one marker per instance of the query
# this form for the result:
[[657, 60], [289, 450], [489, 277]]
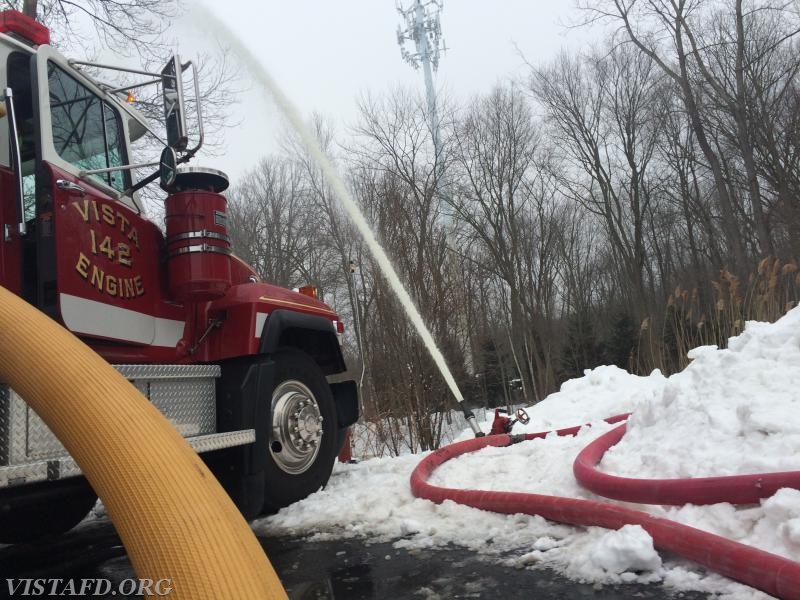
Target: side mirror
[[167, 168], [174, 109]]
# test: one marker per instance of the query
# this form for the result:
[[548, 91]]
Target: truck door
[[88, 241]]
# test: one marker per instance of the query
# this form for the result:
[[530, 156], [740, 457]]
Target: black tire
[[32, 512], [298, 462]]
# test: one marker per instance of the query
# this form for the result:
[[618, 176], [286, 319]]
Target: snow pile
[[731, 411], [602, 392], [625, 552], [782, 513]]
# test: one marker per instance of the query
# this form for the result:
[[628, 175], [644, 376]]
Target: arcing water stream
[[771, 573], [290, 112]]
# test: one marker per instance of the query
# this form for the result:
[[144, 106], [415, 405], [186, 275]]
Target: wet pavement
[[340, 569], [351, 569]]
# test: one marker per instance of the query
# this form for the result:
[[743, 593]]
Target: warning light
[[130, 98], [309, 290], [23, 27]]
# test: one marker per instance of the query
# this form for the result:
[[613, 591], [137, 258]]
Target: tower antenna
[[423, 28]]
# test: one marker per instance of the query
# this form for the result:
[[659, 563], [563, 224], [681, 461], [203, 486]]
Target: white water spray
[[290, 112]]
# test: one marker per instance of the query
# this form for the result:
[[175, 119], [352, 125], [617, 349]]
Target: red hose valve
[[503, 424]]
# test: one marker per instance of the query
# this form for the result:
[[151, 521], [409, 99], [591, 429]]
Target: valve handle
[[522, 416]]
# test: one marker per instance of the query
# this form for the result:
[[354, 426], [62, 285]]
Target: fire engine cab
[[251, 374]]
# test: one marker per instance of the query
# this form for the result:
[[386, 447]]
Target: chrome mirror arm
[[16, 157]]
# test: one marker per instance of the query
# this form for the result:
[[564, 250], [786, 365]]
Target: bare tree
[[271, 225], [504, 198], [124, 26], [396, 174], [662, 31], [603, 112]]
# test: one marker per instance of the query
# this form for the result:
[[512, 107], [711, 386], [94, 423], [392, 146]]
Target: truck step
[[64, 466]]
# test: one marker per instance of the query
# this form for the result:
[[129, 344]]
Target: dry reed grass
[[710, 316]]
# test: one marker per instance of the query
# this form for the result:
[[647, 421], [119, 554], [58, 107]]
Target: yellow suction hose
[[173, 516]]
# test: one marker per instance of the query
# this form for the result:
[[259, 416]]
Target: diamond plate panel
[[26, 473], [61, 468], [151, 372], [189, 404], [15, 431], [217, 441], [41, 442], [19, 428], [23, 435], [185, 394]]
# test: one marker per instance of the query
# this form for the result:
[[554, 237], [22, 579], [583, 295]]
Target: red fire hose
[[736, 489], [768, 572]]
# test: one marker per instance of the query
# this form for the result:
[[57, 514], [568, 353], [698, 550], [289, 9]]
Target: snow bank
[[730, 411], [602, 392]]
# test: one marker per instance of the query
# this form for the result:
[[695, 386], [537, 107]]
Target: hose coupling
[[473, 423]]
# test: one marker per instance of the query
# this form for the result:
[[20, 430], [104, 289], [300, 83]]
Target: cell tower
[[421, 20], [422, 26]]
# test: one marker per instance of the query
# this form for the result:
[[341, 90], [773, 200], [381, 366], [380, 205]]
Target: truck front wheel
[[302, 433]]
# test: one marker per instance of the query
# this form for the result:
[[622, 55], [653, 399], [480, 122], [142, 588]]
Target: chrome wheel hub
[[296, 427]]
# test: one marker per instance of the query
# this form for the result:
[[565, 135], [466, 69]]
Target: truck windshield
[[86, 130]]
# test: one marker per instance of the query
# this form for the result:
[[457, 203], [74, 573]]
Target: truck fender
[[314, 335]]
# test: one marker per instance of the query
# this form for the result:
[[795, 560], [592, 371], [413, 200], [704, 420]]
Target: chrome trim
[[296, 427], [203, 233], [203, 171], [201, 134], [127, 88], [119, 168], [69, 186], [201, 248], [16, 156], [113, 68]]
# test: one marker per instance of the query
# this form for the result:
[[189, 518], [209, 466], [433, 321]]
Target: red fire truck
[[250, 373]]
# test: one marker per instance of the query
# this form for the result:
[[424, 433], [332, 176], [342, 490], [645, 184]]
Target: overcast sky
[[325, 54]]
